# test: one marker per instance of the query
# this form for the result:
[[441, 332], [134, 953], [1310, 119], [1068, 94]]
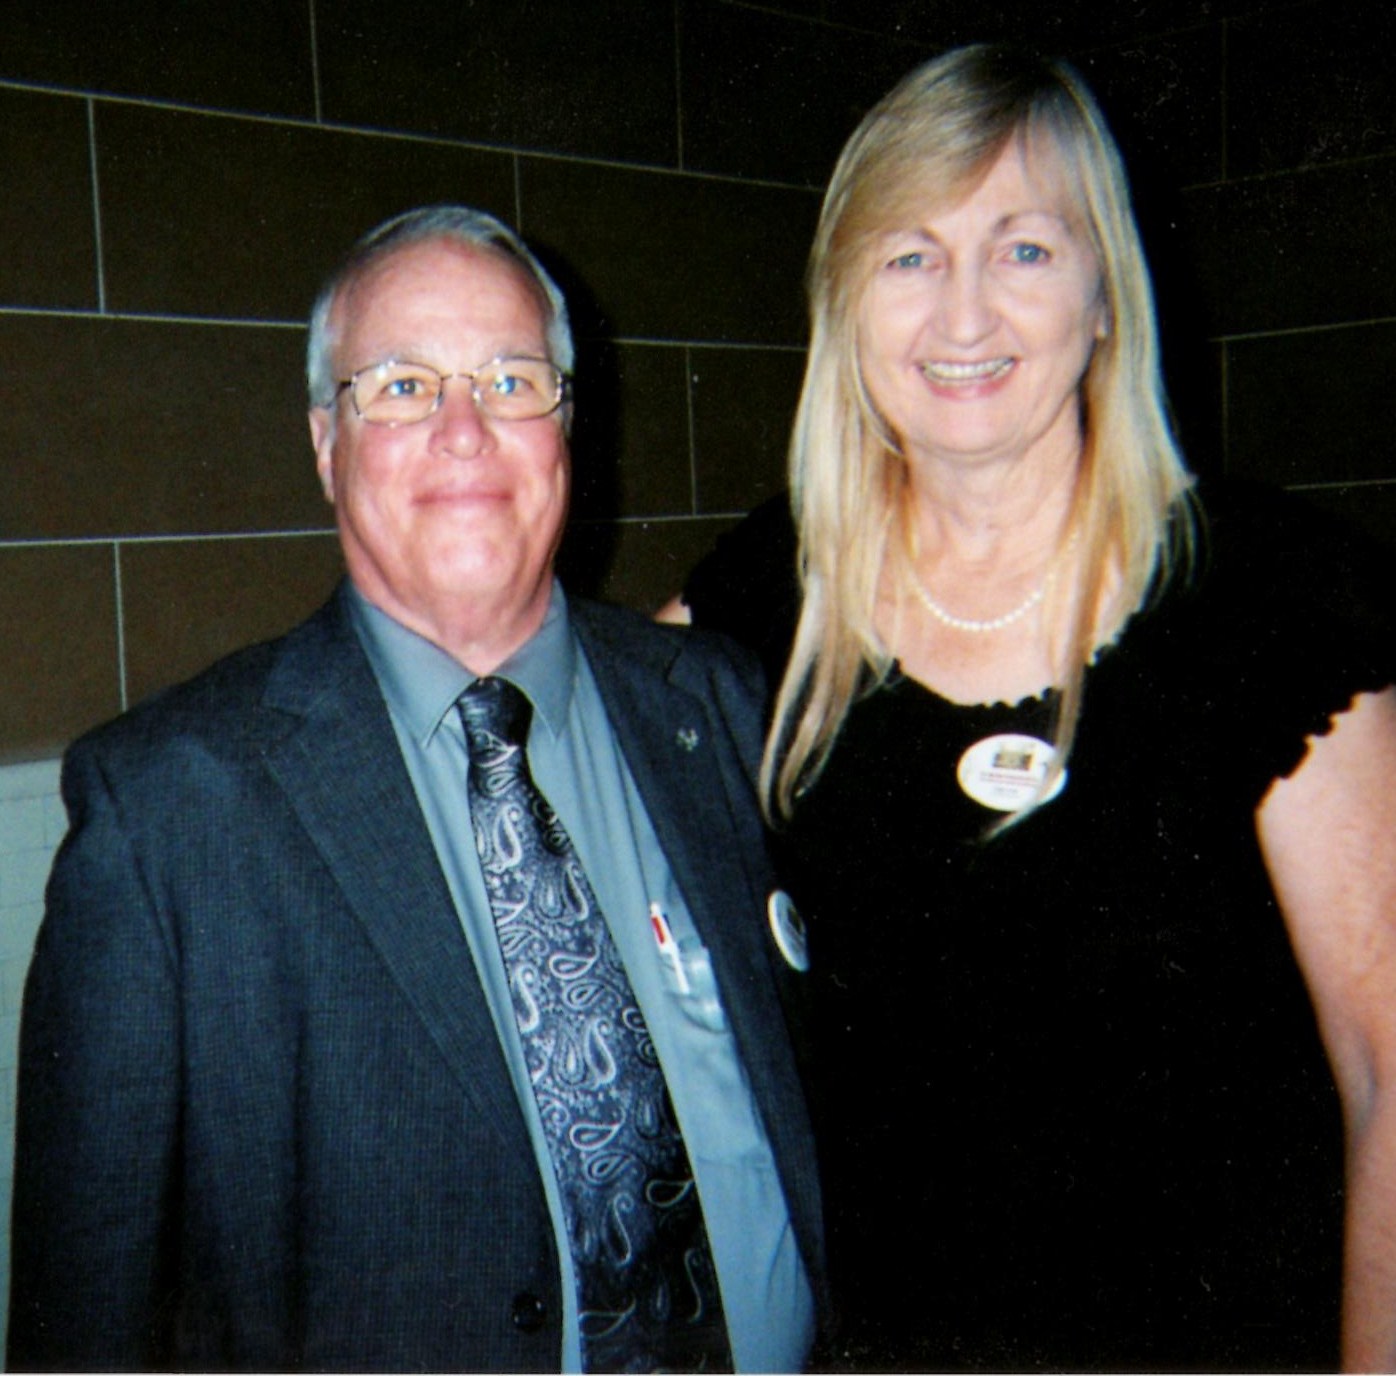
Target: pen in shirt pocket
[[668, 947]]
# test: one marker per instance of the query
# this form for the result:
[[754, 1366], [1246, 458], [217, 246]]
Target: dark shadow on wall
[[1158, 165], [1191, 361], [589, 545]]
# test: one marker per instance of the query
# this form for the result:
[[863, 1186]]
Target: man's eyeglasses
[[397, 392]]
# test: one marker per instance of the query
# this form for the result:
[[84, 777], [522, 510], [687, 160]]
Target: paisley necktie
[[648, 1296]]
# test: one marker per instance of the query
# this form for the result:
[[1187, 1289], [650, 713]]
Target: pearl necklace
[[964, 623]]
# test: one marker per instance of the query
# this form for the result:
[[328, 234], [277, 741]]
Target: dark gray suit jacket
[[264, 1118]]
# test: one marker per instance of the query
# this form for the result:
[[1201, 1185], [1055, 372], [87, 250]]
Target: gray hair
[[451, 222]]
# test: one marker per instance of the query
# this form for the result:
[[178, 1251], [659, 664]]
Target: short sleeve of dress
[[747, 585], [1295, 614]]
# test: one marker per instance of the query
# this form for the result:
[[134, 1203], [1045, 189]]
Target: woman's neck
[[998, 518], [978, 589]]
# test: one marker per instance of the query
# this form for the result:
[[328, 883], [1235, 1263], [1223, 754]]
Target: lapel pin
[[687, 738]]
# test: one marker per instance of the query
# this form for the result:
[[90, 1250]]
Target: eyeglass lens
[[399, 393]]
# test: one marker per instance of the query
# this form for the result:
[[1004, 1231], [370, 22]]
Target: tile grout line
[[1325, 484], [17, 546], [248, 322], [183, 537], [315, 65], [678, 88], [120, 625], [692, 432], [668, 518], [582, 159], [151, 317], [307, 122], [96, 205]]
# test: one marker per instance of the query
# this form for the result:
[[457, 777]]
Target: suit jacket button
[[529, 1312]]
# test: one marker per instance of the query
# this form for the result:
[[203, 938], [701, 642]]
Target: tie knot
[[495, 713]]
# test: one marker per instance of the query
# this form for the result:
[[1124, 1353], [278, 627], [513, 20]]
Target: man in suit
[[287, 1097]]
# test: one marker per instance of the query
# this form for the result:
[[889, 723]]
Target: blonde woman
[[1086, 785]]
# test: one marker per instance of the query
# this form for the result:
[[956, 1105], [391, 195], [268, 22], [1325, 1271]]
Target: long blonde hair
[[929, 142]]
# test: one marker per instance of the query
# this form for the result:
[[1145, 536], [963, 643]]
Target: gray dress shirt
[[579, 768]]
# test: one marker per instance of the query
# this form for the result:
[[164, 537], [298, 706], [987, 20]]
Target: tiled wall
[[177, 176]]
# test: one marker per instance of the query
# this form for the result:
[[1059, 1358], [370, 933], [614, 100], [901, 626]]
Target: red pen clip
[[668, 947]]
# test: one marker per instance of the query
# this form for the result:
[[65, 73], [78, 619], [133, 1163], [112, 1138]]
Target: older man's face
[[459, 511]]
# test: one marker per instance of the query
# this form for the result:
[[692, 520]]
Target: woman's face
[[979, 320]]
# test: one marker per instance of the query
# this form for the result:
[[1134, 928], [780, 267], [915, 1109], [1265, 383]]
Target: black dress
[[1074, 1109]]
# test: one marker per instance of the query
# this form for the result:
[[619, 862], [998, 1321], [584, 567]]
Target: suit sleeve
[[97, 1123]]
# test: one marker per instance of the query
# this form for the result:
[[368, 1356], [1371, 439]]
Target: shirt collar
[[422, 682]]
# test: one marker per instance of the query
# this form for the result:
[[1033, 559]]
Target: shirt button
[[528, 1312]]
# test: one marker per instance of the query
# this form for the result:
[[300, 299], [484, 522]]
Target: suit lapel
[[660, 708], [662, 723], [340, 766]]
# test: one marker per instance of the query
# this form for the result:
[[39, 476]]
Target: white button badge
[[1006, 772], [788, 928]]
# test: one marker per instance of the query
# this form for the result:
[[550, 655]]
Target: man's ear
[[322, 437]]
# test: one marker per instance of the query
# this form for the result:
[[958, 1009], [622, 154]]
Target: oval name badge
[[1006, 772]]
